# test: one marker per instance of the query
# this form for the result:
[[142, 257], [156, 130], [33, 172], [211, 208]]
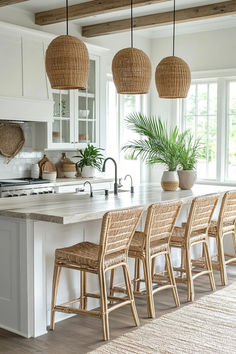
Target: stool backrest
[[160, 222], [200, 214], [227, 214], [118, 228]]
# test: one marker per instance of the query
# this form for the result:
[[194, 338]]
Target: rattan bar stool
[[147, 246], [224, 226], [117, 230], [194, 232]]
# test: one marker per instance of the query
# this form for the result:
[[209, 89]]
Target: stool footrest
[[66, 309]]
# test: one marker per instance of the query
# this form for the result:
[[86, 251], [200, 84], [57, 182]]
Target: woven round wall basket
[[67, 63], [12, 139], [173, 78], [132, 71]]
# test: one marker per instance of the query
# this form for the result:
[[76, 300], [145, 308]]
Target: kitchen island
[[33, 227]]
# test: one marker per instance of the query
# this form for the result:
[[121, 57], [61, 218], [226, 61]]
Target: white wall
[[205, 51]]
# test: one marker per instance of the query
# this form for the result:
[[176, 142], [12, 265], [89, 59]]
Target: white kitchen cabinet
[[76, 114], [10, 66], [24, 87]]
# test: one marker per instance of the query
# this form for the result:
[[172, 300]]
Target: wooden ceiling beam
[[89, 8], [10, 2], [185, 15]]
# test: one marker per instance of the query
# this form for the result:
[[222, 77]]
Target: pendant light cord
[[132, 24], [67, 18], [174, 20]]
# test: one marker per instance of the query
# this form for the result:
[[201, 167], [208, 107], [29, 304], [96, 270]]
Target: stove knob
[[9, 196], [33, 193], [15, 195], [23, 194], [50, 192], [45, 192], [40, 192]]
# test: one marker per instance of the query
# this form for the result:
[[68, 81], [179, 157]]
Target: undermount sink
[[102, 192]]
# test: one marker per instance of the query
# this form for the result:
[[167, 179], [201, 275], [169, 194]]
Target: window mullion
[[221, 130]]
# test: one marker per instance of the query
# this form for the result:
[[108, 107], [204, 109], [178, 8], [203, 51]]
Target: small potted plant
[[188, 156], [157, 145], [91, 159]]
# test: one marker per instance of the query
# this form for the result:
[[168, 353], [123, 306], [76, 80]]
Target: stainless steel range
[[24, 187]]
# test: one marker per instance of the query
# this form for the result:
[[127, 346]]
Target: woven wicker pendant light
[[67, 61], [173, 76], [131, 68]]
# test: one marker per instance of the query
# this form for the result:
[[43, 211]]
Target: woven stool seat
[[85, 255], [118, 228], [224, 226], [194, 232], [179, 233], [146, 246], [137, 245]]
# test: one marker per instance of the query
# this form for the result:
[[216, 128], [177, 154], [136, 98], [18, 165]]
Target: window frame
[[223, 79], [120, 124]]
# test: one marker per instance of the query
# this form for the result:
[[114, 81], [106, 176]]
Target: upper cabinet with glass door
[[62, 118], [75, 116], [86, 110]]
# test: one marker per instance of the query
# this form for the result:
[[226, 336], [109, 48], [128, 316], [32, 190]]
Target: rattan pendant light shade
[[67, 63], [173, 78], [173, 75], [131, 70]]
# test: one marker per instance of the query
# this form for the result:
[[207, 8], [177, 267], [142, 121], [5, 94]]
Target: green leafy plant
[[190, 152], [90, 156], [157, 143]]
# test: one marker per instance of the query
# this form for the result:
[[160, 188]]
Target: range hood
[[25, 93]]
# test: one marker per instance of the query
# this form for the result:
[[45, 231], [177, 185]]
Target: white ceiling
[[34, 6]]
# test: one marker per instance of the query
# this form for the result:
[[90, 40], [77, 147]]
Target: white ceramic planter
[[88, 172], [170, 181], [187, 178]]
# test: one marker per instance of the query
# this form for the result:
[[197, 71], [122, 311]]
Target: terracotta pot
[[88, 172], [170, 181], [187, 178]]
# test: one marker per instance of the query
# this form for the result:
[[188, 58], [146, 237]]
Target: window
[[209, 112], [118, 107], [231, 138]]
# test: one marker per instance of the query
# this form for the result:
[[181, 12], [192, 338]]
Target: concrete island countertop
[[73, 208]]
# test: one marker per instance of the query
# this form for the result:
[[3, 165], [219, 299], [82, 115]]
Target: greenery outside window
[[209, 112]]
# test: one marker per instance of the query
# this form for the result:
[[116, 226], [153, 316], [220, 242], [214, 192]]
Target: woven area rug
[[205, 326]]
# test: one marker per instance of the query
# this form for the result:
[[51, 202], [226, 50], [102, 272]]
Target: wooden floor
[[81, 334]]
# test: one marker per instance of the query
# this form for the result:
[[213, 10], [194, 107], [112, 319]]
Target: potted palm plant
[[188, 156], [91, 159], [157, 145]]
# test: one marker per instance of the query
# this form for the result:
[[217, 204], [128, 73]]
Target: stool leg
[[130, 294], [209, 265], [234, 240], [153, 266], [137, 275], [182, 262], [221, 260], [112, 277], [148, 283], [189, 273], [172, 278], [103, 302], [83, 290], [55, 282]]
